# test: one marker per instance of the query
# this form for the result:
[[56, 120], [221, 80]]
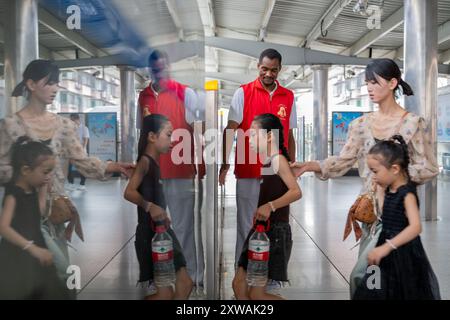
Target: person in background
[[83, 133]]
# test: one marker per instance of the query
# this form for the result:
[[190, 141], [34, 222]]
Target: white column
[[21, 46], [320, 119], [128, 115], [420, 67]]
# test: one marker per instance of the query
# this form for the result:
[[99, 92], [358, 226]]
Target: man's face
[[159, 69], [268, 70]]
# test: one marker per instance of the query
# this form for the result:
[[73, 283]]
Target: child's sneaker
[[151, 289], [273, 287]]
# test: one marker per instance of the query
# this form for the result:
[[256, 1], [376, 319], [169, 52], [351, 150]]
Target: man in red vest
[[264, 95], [178, 103]]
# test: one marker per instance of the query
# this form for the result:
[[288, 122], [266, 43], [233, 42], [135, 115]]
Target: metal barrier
[[211, 205]]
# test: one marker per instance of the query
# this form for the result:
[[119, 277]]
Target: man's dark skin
[[268, 73]]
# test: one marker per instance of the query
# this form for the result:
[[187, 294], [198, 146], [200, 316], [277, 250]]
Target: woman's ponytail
[[406, 88]]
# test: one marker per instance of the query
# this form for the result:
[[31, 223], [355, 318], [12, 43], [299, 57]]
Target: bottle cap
[[260, 228], [160, 226]]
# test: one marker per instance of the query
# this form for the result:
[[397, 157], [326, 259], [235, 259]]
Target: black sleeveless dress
[[152, 191], [280, 235], [406, 273], [21, 275]]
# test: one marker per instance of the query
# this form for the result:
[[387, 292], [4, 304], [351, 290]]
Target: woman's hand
[[223, 173], [126, 169], [299, 168], [44, 256], [263, 212], [377, 254], [156, 212]]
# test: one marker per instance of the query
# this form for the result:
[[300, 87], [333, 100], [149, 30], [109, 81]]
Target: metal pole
[[127, 114], [212, 222], [421, 73], [21, 46], [320, 105]]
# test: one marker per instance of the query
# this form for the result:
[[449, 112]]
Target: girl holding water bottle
[[279, 188], [146, 191]]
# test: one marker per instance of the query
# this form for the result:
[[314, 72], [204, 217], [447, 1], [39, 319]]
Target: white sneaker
[[82, 188]]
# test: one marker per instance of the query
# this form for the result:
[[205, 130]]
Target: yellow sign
[[212, 85]]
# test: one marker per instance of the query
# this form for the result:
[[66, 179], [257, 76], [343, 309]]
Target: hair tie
[[395, 141]]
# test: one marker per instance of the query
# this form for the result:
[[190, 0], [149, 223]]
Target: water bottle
[[162, 255], [258, 258]]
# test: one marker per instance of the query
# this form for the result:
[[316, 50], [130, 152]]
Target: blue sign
[[340, 123], [103, 135]]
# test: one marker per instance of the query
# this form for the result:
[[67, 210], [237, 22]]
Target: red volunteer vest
[[170, 103], [258, 101]]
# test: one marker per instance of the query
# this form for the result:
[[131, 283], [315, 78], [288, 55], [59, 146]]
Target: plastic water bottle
[[258, 258], [162, 255]]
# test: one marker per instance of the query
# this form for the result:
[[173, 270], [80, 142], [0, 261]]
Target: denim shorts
[[280, 237], [143, 245]]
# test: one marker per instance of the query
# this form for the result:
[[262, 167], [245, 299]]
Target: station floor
[[320, 264]]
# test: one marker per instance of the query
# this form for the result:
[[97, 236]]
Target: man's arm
[[291, 139], [227, 141], [291, 146], [235, 117], [191, 105]]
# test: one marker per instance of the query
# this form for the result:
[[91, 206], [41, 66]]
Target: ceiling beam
[[176, 18], [207, 15], [231, 77], [291, 55], [443, 36], [265, 22], [391, 23], [208, 18], [444, 57], [325, 21], [182, 50], [294, 55], [58, 27], [444, 32]]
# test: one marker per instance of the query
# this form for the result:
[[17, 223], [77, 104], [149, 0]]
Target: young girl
[[26, 265], [278, 189], [405, 272], [146, 191]]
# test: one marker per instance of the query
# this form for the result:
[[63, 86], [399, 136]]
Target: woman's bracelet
[[389, 242], [29, 244], [272, 206]]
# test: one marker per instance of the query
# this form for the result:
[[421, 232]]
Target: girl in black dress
[[26, 265], [278, 189], [404, 270], [146, 191]]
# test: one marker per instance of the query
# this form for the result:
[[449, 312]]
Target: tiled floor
[[319, 267]]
